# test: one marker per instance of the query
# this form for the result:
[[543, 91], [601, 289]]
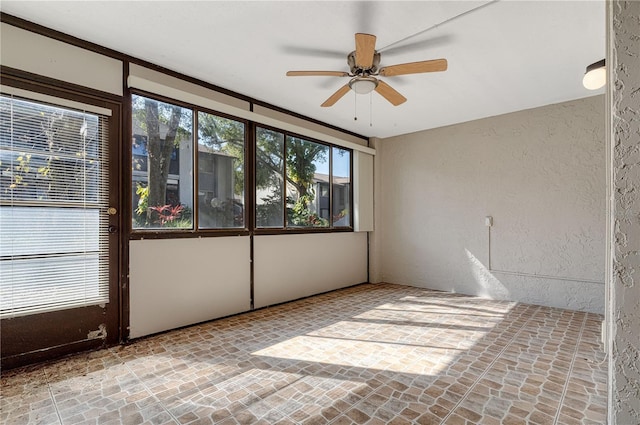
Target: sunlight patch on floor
[[406, 336], [396, 357]]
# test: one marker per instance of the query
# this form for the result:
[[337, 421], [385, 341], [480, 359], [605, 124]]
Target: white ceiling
[[503, 57]]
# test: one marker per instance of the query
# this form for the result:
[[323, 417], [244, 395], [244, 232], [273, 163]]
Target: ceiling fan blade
[[365, 49], [414, 68], [389, 93], [317, 73], [336, 96]]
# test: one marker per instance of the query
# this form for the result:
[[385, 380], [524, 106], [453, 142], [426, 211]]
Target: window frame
[[196, 173], [331, 183], [155, 233], [250, 147], [297, 229], [19, 329]]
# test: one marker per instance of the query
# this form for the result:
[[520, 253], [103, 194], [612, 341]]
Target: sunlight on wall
[[488, 285]]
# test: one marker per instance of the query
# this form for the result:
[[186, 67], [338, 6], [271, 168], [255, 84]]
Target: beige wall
[[288, 267], [21, 49], [178, 282], [539, 173]]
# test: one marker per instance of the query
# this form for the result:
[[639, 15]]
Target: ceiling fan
[[363, 64]]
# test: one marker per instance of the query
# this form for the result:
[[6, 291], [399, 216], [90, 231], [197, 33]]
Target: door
[[59, 224]]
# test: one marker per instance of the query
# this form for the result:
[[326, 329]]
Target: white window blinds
[[53, 198]]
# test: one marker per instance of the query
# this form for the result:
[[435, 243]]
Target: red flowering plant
[[167, 213]]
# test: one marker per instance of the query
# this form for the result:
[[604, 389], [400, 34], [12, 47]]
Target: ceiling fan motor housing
[[355, 70]]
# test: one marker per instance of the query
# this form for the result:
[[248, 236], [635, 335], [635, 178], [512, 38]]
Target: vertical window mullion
[[331, 187], [284, 181], [351, 208], [196, 169], [250, 140]]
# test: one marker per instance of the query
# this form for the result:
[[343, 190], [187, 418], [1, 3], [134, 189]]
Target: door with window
[[59, 222]]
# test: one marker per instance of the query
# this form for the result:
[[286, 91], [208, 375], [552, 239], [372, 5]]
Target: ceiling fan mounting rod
[[446, 21]]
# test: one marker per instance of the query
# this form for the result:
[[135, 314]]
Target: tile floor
[[374, 354]]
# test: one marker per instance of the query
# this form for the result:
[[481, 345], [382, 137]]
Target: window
[[53, 187], [300, 171], [341, 187], [161, 165], [163, 159], [307, 174], [189, 174], [220, 172], [269, 178]]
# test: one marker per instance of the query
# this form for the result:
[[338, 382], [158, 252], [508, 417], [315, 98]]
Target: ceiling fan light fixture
[[595, 76], [363, 85]]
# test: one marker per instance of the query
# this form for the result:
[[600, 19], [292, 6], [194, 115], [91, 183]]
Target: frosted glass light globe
[[596, 76]]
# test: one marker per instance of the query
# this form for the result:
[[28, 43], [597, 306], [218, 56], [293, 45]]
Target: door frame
[[44, 336]]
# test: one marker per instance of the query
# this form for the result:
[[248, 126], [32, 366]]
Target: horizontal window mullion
[[181, 234], [300, 230]]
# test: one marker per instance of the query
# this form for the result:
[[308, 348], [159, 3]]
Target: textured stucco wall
[[541, 175], [624, 302]]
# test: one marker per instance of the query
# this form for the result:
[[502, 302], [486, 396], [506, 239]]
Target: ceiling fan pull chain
[[355, 106]]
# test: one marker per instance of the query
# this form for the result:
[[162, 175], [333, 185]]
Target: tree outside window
[[162, 165], [299, 170], [220, 172], [298, 183], [341, 187], [270, 182], [307, 167]]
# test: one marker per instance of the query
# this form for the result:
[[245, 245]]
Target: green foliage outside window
[[292, 175]]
